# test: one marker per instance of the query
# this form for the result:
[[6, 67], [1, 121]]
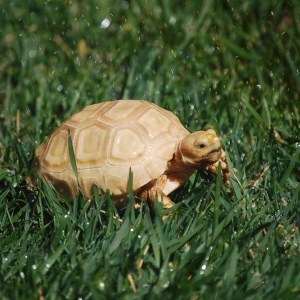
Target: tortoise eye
[[201, 146]]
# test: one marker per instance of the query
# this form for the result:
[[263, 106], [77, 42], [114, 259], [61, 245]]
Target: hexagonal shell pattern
[[108, 139]]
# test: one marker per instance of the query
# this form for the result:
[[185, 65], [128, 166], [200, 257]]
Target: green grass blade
[[254, 113], [184, 239], [231, 268], [72, 155], [153, 239], [110, 213], [237, 49], [217, 198], [290, 168], [120, 235], [129, 213]]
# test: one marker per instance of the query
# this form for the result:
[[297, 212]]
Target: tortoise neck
[[180, 164]]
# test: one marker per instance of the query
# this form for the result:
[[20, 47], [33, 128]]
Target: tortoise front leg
[[224, 166], [153, 188]]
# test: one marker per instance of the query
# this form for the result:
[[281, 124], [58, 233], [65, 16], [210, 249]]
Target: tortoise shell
[[108, 139]]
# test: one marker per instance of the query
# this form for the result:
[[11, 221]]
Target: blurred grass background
[[230, 65]]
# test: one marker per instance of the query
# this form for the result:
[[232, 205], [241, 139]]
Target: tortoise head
[[201, 148]]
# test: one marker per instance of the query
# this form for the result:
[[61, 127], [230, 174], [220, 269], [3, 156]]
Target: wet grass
[[228, 65]]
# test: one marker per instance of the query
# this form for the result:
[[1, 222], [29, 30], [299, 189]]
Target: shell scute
[[154, 125], [165, 149], [87, 180], [115, 179], [122, 112], [91, 145], [154, 166], [140, 177], [127, 146], [55, 157], [85, 116]]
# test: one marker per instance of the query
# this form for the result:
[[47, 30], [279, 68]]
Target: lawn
[[229, 65]]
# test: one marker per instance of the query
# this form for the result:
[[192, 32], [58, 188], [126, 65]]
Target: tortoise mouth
[[214, 155], [206, 160], [217, 150]]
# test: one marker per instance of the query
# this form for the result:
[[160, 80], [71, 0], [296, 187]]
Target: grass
[[231, 65]]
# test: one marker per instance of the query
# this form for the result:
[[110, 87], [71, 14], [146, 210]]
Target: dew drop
[[124, 4], [102, 285], [32, 53], [105, 23], [172, 20]]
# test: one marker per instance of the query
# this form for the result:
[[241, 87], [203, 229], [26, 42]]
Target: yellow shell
[[108, 139]]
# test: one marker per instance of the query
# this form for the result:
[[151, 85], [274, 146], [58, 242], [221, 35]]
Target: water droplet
[[124, 4], [172, 20], [105, 23], [34, 267], [32, 53], [102, 285]]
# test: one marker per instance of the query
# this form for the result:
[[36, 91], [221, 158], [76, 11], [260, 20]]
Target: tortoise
[[110, 138]]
